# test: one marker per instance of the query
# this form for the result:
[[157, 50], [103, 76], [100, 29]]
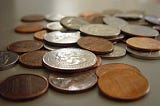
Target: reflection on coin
[[32, 59], [111, 12], [50, 47], [54, 17], [100, 30], [40, 35], [69, 60], [55, 26], [23, 86], [137, 30], [33, 18], [152, 19], [62, 38], [7, 59], [73, 82], [25, 46], [73, 23], [143, 43], [129, 16]]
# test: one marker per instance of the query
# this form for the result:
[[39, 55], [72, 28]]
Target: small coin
[[100, 30], [25, 46], [32, 18], [40, 35], [117, 38], [32, 59], [129, 16], [73, 23], [7, 59], [54, 17], [98, 63], [51, 47], [73, 82], [111, 12], [143, 43], [152, 19], [28, 28], [69, 60], [23, 86], [95, 44], [62, 38], [137, 30], [139, 22], [55, 26]]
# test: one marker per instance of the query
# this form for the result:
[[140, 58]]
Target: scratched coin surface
[[55, 26]]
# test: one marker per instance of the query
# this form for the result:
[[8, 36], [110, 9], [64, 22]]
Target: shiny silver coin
[[100, 30], [138, 30], [73, 23], [7, 59], [55, 26], [117, 38], [129, 16], [144, 55], [50, 47], [69, 60], [152, 19], [54, 17], [117, 53]]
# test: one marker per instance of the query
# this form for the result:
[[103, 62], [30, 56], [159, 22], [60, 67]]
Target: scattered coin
[[50, 47], [156, 28], [152, 19], [136, 11], [55, 26], [111, 12], [139, 22], [54, 17], [40, 35], [117, 38], [98, 63], [129, 16], [32, 18]]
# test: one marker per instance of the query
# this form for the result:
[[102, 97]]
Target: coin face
[[143, 43], [32, 18], [7, 59], [73, 23], [129, 16], [137, 30], [40, 35], [100, 30], [152, 19], [55, 26], [54, 17], [69, 59], [73, 82], [23, 86]]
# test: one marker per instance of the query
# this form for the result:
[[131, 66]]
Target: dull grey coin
[[55, 26], [50, 47], [129, 16], [152, 19], [54, 17]]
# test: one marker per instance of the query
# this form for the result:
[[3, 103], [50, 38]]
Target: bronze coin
[[123, 84], [23, 86], [32, 59], [33, 18], [28, 28], [25, 46], [143, 43], [98, 63], [40, 35], [95, 44]]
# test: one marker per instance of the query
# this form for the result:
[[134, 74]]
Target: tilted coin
[[98, 63], [40, 35], [7, 59], [32, 18], [129, 16], [55, 26], [54, 17], [69, 60], [100, 30], [50, 47], [152, 19], [117, 38]]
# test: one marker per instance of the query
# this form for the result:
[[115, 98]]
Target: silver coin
[[51, 47], [117, 53], [129, 16], [69, 59], [152, 19], [117, 38], [54, 17], [100, 30], [55, 26], [73, 23], [144, 55], [7, 59]]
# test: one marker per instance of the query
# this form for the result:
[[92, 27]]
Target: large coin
[[152, 19], [55, 26]]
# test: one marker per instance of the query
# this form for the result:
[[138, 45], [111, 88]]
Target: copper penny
[[32, 18], [32, 59], [143, 43], [25, 46], [95, 44], [40, 35], [28, 28], [23, 86]]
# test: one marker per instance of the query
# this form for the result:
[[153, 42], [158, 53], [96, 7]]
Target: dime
[[55, 26], [32, 18], [51, 47], [54, 17], [40, 35], [111, 12]]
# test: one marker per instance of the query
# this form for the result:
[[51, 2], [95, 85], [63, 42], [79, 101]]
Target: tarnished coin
[[55, 26], [28, 28], [54, 17], [7, 59], [23, 87], [69, 60], [111, 12], [32, 18], [137, 30], [73, 23], [51, 47], [40, 35], [129, 16], [100, 30], [62, 38], [95, 44], [143, 43], [32, 59], [73, 82], [152, 19], [25, 46]]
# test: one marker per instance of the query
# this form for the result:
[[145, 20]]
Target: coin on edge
[[40, 35], [32, 18]]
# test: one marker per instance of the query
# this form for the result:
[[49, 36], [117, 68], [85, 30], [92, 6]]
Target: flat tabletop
[[11, 12]]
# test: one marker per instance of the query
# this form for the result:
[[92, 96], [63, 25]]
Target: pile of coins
[[71, 48]]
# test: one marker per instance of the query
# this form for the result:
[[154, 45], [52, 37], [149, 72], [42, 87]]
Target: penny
[[32, 59], [129, 16], [32, 18], [111, 12], [28, 28], [23, 87], [55, 26], [73, 82], [69, 60], [25, 46], [95, 44], [100, 30], [40, 35], [137, 30], [152, 19], [54, 17], [143, 43], [7, 59], [98, 63], [123, 84], [73, 23]]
